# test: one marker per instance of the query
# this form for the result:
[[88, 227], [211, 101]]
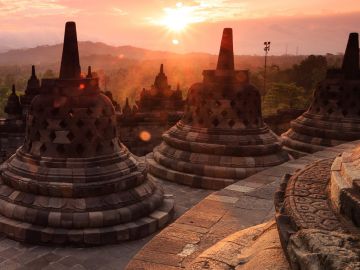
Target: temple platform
[[202, 219]]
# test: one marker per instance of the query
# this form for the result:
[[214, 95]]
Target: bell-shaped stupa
[[73, 182], [221, 137], [32, 89], [13, 106], [334, 115]]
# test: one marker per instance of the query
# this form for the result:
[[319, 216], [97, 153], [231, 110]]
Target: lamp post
[[266, 49]]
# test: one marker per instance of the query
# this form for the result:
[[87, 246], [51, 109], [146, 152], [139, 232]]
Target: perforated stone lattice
[[71, 131], [337, 100], [225, 108]]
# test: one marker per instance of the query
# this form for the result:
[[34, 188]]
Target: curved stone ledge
[[238, 206], [312, 233], [210, 165]]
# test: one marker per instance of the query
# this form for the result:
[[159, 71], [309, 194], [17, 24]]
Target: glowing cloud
[[33, 8], [178, 18]]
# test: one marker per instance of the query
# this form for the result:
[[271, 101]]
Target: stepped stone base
[[87, 201], [214, 159], [312, 233], [25, 232]]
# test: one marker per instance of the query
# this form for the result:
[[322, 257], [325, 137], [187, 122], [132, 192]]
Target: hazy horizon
[[307, 27], [289, 53]]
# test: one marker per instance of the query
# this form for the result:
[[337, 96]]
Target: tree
[[48, 74], [4, 94], [309, 72], [284, 96]]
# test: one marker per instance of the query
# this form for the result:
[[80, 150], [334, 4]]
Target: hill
[[46, 54]]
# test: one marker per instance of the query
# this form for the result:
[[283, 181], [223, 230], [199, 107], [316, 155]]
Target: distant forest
[[126, 70]]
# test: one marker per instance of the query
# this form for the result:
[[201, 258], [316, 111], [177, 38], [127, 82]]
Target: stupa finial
[[226, 54], [162, 68], [350, 64], [33, 73], [70, 63], [89, 74]]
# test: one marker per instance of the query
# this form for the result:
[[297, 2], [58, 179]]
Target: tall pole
[[266, 49]]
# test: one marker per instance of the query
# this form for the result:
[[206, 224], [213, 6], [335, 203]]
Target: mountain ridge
[[48, 54]]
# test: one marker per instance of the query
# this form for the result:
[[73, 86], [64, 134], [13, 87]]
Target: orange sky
[[312, 26]]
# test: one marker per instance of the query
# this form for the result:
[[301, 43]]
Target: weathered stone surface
[[312, 234], [257, 247], [324, 250]]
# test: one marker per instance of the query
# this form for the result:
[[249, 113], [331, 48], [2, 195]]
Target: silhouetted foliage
[[49, 74], [292, 88], [309, 72], [284, 96], [4, 93]]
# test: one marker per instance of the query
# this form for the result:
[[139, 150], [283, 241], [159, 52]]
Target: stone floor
[[244, 204], [14, 255]]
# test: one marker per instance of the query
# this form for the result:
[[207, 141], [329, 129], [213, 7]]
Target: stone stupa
[[32, 89], [72, 181], [334, 115], [13, 107], [221, 137]]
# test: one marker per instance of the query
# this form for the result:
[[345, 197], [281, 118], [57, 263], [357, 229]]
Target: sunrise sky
[[312, 26]]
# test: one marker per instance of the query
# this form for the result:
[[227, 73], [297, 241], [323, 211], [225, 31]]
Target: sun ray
[[179, 18]]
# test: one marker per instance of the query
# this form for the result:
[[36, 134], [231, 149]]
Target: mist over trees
[[291, 80]]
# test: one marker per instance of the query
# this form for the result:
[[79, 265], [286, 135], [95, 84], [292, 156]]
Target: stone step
[[350, 204], [159, 171], [26, 232], [356, 186]]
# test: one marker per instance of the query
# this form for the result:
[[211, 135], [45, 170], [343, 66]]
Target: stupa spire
[[13, 89], [33, 73], [226, 54], [350, 64], [70, 63], [89, 74], [162, 68]]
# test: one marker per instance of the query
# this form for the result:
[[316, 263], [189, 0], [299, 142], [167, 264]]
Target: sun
[[179, 18]]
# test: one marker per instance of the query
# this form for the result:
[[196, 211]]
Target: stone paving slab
[[241, 205], [14, 255]]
